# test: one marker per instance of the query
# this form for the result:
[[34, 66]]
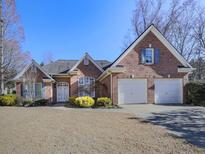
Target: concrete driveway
[[184, 121]]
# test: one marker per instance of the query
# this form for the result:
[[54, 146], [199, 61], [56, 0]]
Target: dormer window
[[86, 61]]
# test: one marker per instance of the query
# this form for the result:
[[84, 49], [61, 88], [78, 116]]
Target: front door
[[62, 92]]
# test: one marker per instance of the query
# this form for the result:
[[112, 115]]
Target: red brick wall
[[18, 88], [48, 91], [105, 87], [83, 70], [168, 66]]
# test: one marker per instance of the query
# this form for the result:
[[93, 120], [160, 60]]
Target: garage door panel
[[132, 91], [168, 91]]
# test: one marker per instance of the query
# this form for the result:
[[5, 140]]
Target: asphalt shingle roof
[[63, 66]]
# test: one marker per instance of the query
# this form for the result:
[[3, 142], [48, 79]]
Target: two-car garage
[[134, 91]]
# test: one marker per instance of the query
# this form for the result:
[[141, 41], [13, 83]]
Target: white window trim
[[87, 81], [147, 63], [35, 89], [83, 81]]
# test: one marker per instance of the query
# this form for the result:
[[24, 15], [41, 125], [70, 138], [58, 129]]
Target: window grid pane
[[149, 56], [86, 86]]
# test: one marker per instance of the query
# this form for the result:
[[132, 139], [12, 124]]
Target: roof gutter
[[186, 70], [110, 71]]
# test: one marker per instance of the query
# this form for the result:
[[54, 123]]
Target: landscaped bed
[[49, 130]]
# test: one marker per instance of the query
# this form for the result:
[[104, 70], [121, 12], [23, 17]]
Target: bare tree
[[172, 19], [182, 22], [29, 80], [12, 58], [47, 57], [1, 49], [199, 33]]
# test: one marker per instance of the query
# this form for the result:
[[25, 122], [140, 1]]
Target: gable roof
[[88, 57], [64, 66], [33, 62], [164, 41], [59, 66]]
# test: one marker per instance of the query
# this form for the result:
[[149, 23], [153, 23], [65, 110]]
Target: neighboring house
[[150, 70]]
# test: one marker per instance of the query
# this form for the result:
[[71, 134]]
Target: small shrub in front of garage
[[104, 101], [195, 93], [8, 100], [84, 101]]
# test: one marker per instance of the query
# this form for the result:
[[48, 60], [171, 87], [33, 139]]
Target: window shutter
[[156, 56], [22, 90], [143, 56]]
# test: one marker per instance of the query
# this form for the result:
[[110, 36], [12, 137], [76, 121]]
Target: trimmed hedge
[[104, 101], [84, 101], [8, 100], [195, 93]]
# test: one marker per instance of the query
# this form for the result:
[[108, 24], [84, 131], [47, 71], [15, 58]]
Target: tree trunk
[[1, 49]]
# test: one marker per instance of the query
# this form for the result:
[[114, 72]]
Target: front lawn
[[50, 130]]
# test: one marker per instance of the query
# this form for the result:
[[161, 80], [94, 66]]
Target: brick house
[[150, 70]]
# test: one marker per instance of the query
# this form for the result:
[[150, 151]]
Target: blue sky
[[69, 28]]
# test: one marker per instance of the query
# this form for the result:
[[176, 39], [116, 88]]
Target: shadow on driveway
[[189, 124]]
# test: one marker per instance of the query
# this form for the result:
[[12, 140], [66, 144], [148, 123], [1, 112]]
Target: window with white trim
[[81, 81], [32, 90], [86, 86], [87, 80], [149, 56], [38, 90]]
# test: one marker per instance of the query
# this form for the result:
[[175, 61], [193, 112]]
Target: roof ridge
[[78, 59], [67, 60]]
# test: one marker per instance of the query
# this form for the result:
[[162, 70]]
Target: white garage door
[[168, 91], [132, 91]]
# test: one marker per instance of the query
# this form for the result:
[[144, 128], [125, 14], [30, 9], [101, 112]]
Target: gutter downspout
[[111, 87]]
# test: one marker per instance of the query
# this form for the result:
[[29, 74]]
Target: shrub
[[72, 99], [41, 102], [195, 93], [27, 102], [14, 92], [8, 100], [19, 101], [84, 101], [104, 101]]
